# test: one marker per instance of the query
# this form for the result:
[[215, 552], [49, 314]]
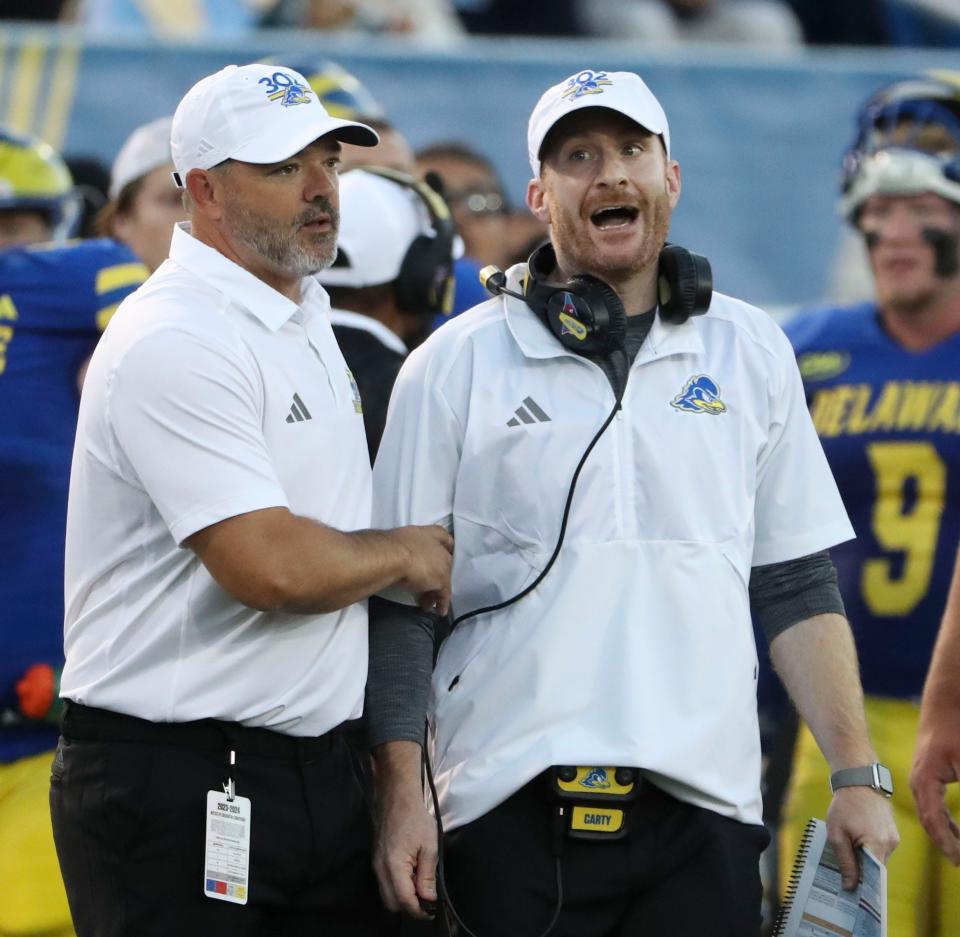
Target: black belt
[[86, 723]]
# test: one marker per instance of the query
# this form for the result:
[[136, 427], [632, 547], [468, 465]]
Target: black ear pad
[[425, 283], [585, 314], [609, 316], [684, 283]]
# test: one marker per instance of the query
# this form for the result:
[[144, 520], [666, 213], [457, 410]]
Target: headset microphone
[[494, 280]]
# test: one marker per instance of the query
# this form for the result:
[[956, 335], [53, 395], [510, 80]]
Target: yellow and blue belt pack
[[594, 799]]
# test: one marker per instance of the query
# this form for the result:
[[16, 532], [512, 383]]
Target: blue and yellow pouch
[[593, 800]]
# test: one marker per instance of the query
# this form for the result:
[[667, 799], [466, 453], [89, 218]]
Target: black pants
[[681, 871], [128, 800]]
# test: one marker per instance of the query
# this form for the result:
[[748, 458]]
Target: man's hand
[[936, 763], [860, 816], [430, 562], [405, 853]]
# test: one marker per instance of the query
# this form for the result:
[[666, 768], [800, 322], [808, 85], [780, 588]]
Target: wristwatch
[[876, 776]]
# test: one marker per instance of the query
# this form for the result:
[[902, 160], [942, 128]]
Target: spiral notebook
[[816, 904]]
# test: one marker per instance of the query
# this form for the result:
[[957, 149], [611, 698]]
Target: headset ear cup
[[684, 283], [413, 281], [536, 290], [609, 316], [586, 315], [425, 283]]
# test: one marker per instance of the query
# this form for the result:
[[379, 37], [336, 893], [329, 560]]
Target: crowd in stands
[[771, 23]]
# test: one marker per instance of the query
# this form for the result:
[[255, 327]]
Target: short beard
[[655, 215], [277, 243]]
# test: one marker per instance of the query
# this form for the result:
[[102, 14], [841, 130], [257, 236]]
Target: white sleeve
[[414, 478], [798, 508], [185, 414]]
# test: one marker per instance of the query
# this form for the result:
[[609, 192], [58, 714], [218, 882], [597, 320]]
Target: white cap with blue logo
[[254, 113], [623, 92]]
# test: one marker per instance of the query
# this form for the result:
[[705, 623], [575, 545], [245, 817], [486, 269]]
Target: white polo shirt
[[210, 395], [637, 649]]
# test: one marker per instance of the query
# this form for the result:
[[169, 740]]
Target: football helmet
[[907, 141], [33, 177]]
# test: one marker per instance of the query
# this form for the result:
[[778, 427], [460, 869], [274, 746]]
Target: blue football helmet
[[907, 141]]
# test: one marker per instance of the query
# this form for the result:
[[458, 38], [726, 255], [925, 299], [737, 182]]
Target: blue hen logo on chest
[[701, 394]]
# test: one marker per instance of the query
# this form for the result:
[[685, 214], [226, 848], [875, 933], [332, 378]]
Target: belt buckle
[[594, 799]]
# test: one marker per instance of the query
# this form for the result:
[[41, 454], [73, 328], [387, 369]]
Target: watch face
[[886, 779]]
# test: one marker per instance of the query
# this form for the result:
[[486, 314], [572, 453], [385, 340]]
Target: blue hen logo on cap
[[587, 82], [281, 87]]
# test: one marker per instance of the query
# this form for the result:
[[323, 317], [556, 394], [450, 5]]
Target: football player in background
[[883, 386], [55, 299]]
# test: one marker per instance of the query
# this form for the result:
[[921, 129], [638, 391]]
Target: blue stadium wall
[[759, 137]]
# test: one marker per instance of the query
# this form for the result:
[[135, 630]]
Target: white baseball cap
[[254, 113], [146, 149], [623, 92], [379, 220]]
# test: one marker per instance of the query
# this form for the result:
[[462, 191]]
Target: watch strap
[[875, 775]]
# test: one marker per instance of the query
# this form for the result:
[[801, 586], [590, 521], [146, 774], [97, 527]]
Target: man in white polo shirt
[[627, 480], [218, 558]]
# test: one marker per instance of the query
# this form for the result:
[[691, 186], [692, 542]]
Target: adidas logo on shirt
[[530, 412], [298, 411]]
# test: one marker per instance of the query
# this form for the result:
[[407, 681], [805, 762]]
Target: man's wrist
[[394, 553], [397, 769], [397, 760], [875, 775]]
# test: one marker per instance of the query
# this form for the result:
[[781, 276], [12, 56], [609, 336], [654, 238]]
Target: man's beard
[[653, 214], [278, 243]]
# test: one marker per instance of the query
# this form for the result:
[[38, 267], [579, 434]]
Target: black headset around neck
[[587, 316]]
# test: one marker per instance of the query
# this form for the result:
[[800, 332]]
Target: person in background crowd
[[882, 384], [426, 20], [144, 205], [771, 23], [55, 300], [492, 232], [393, 273]]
